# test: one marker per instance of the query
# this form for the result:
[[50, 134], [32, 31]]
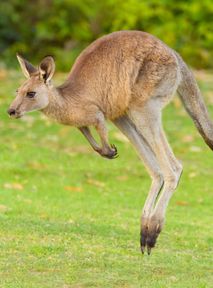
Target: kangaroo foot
[[150, 231]]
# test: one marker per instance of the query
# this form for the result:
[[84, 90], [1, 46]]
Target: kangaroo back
[[192, 99]]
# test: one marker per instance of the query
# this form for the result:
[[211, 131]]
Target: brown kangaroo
[[127, 77]]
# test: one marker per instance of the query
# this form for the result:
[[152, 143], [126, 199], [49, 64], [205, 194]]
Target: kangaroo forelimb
[[107, 151]]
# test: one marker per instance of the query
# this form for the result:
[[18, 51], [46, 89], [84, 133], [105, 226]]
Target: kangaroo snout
[[14, 113], [11, 112]]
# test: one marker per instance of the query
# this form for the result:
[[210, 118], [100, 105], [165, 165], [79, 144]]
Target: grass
[[69, 218]]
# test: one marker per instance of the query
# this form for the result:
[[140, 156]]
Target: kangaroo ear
[[27, 68], [47, 68]]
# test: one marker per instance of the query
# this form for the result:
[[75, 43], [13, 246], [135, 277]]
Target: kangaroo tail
[[193, 102]]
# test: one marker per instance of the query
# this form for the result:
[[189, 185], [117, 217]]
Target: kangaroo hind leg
[[147, 120], [147, 155]]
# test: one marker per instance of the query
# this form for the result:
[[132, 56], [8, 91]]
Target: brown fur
[[117, 71], [126, 77]]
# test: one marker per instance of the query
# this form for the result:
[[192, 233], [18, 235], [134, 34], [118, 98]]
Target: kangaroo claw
[[111, 152]]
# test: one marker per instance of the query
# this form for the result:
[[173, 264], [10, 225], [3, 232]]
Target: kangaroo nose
[[11, 111]]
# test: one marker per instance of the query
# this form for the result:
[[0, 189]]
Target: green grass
[[69, 218]]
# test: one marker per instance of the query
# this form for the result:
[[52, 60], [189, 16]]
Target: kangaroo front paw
[[109, 153], [113, 152]]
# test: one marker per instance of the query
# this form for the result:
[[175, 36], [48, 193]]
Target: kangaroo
[[127, 77]]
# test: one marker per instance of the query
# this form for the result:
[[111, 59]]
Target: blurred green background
[[64, 28], [69, 218]]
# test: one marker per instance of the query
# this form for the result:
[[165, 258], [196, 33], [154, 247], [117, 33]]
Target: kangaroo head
[[34, 93]]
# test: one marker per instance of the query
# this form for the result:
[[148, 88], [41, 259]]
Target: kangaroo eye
[[31, 94]]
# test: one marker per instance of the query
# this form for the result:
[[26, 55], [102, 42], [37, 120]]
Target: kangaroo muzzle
[[14, 113], [11, 112]]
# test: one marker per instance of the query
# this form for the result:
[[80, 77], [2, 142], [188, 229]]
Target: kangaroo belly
[[115, 105], [117, 86]]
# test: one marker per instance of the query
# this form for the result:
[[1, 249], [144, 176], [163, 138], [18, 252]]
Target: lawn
[[69, 218]]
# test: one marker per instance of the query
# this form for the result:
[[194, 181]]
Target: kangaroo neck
[[57, 107]]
